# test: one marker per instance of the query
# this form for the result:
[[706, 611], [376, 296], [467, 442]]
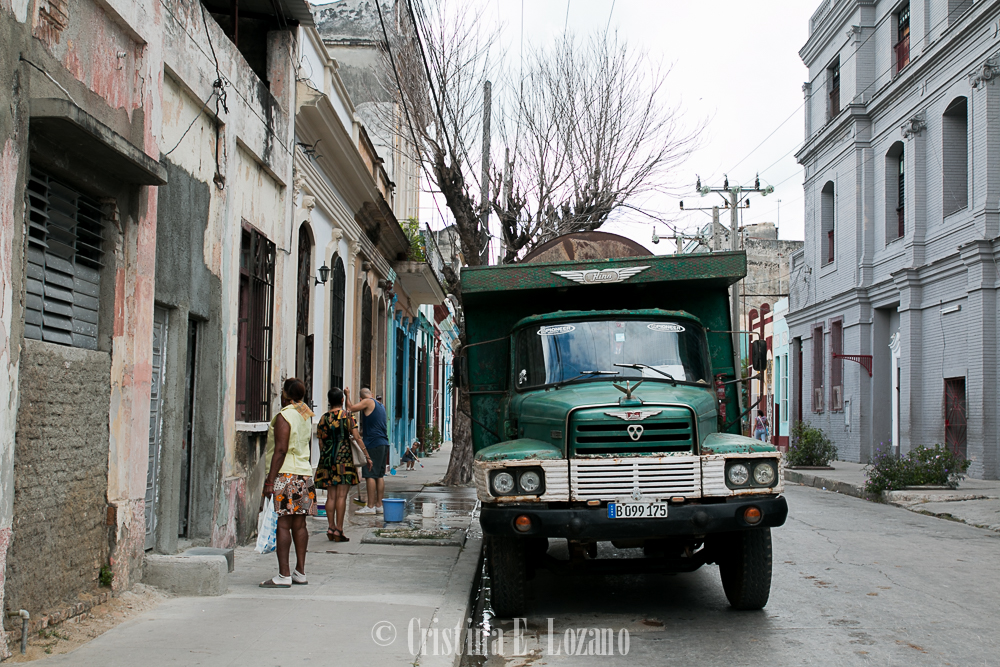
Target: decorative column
[[915, 187], [984, 147], [911, 425]]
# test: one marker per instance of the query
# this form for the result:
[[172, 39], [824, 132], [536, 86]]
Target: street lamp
[[324, 274]]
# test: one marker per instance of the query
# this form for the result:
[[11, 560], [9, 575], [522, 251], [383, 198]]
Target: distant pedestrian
[[373, 428], [760, 426], [410, 455], [289, 480], [336, 472]]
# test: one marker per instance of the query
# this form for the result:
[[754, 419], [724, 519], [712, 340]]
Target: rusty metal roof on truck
[[720, 269]]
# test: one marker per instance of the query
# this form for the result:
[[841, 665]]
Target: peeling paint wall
[[244, 145], [105, 56]]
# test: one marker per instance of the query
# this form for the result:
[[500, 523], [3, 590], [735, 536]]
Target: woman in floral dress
[[336, 471]]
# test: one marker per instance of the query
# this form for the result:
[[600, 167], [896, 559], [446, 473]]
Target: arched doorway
[[338, 287], [304, 339], [366, 336]]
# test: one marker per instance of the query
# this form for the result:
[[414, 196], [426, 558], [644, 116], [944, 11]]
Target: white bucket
[[429, 510]]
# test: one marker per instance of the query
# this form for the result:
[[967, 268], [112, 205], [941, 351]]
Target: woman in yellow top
[[289, 480]]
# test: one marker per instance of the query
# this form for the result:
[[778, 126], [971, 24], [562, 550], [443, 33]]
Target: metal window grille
[[338, 289], [834, 90], [64, 260], [256, 327], [400, 380], [817, 346], [955, 415]]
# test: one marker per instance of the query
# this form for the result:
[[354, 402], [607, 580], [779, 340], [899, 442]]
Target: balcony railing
[[902, 53]]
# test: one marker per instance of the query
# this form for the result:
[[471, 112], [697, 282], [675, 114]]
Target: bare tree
[[584, 132], [591, 133]]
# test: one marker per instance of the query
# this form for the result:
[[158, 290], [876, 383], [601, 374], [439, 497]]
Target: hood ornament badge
[[634, 415], [628, 388]]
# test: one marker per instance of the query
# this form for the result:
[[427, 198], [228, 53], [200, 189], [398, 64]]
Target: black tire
[[507, 575], [745, 565]]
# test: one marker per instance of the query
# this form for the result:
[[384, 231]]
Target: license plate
[[637, 510]]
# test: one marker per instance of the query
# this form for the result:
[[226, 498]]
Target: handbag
[[267, 528], [358, 454]]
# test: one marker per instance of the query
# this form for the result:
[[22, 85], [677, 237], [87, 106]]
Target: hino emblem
[[634, 415], [635, 431], [602, 276]]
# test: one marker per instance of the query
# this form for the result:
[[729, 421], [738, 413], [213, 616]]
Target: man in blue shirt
[[373, 430]]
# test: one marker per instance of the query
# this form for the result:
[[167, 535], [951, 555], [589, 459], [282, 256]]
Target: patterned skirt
[[336, 466], [294, 494]]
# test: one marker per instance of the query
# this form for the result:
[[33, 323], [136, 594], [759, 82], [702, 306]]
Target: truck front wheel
[[745, 564], [507, 569]]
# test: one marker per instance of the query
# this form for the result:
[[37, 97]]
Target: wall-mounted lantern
[[324, 274]]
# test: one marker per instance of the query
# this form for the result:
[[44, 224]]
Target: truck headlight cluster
[[517, 482], [753, 473]]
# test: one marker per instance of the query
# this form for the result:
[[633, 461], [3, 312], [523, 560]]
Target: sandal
[[271, 583], [338, 536], [331, 535]]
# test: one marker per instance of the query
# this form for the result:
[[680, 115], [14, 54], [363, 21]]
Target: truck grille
[[594, 433], [660, 477]]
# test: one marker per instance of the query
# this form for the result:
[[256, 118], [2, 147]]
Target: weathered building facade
[[79, 174], [894, 298]]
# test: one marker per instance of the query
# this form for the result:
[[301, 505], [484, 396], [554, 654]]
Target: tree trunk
[[460, 465]]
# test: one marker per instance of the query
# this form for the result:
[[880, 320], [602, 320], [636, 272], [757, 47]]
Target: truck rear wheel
[[745, 564], [507, 574]]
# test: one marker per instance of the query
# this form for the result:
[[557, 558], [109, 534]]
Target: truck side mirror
[[758, 355]]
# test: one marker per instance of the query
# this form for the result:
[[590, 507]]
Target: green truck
[[604, 409]]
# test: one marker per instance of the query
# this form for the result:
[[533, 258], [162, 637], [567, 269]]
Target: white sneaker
[[378, 510], [365, 510]]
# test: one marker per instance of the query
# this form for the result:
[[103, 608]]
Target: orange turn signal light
[[752, 515], [522, 523]]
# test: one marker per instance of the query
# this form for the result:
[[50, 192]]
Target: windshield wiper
[[583, 374], [639, 367]]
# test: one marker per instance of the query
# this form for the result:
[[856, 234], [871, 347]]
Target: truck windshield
[[552, 353]]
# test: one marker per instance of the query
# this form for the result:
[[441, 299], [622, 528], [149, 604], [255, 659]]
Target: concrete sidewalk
[[354, 589], [975, 501]]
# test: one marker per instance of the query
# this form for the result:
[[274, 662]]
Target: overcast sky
[[734, 63]]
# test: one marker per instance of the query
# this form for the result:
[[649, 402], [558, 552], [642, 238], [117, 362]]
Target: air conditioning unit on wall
[[837, 399], [818, 399]]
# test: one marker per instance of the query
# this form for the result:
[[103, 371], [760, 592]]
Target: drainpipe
[[25, 617]]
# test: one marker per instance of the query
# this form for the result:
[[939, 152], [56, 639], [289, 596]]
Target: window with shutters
[[64, 259], [256, 327], [817, 369]]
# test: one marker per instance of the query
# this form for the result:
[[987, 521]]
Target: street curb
[[458, 600], [807, 479]]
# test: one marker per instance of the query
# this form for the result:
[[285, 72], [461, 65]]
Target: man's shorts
[[380, 456]]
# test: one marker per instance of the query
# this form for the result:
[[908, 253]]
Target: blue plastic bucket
[[393, 509]]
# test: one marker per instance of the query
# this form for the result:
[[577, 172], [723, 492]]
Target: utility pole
[[485, 183], [735, 195], [716, 230]]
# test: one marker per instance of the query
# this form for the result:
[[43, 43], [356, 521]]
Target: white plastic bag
[[267, 528]]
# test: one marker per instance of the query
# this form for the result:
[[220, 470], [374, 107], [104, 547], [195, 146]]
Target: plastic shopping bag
[[267, 528]]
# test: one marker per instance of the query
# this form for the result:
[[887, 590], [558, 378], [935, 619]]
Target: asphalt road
[[855, 583]]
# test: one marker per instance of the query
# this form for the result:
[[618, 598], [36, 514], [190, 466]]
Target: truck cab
[[608, 423]]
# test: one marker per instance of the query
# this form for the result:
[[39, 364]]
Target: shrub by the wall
[[938, 466], [809, 447]]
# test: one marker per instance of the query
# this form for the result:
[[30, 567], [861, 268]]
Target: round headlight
[[738, 474], [763, 474], [503, 483], [530, 481]]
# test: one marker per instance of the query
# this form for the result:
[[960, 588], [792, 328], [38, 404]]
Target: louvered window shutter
[[64, 259]]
